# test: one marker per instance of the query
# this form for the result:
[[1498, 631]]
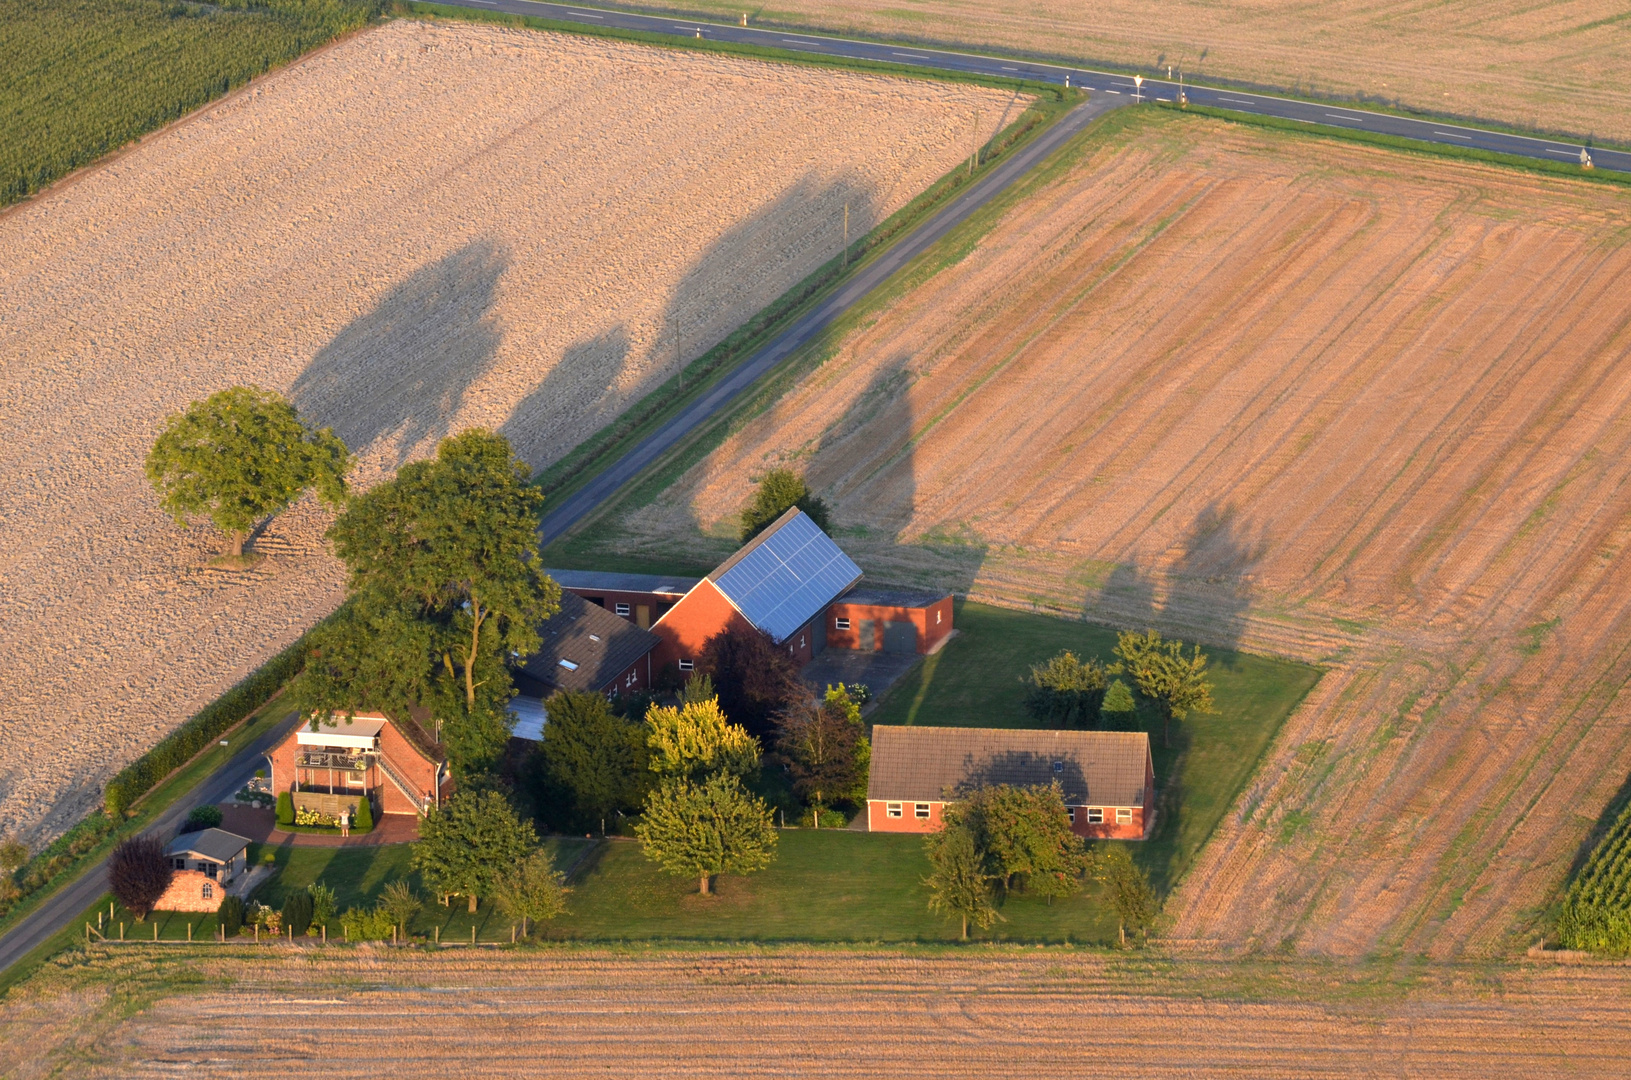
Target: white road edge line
[[1350, 119], [1112, 91], [1237, 101], [913, 55], [1565, 153], [1451, 135], [585, 15]]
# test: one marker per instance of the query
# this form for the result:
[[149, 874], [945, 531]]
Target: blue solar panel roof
[[784, 579]]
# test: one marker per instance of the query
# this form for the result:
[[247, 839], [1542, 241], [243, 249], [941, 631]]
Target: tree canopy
[[825, 748], [467, 844], [1128, 890], [755, 679], [959, 884], [447, 585], [707, 828], [1024, 831], [241, 456], [533, 890], [139, 873], [590, 764], [694, 739], [1118, 711], [1175, 682], [1065, 691], [778, 492]]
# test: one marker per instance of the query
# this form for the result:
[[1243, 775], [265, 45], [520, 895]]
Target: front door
[[869, 641], [642, 616]]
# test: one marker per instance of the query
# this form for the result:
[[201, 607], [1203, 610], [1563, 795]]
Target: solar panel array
[[785, 581]]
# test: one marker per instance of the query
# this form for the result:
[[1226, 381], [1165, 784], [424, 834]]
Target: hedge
[[184, 743]]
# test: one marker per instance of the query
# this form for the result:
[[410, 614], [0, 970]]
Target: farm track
[[772, 1011], [1305, 398], [422, 228]]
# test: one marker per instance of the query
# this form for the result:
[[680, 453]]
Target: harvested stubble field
[[1560, 65], [423, 228], [1293, 396], [140, 1011]]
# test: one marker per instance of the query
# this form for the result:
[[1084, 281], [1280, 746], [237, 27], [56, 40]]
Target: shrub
[[285, 808], [400, 902], [13, 854], [360, 924], [1065, 691], [1597, 908], [297, 912], [138, 873], [830, 819], [754, 678], [365, 816], [1119, 712], [201, 818], [230, 914], [322, 903]]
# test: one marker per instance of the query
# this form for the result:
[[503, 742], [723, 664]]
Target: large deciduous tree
[[1175, 682], [694, 739], [452, 543], [1024, 831], [241, 456], [139, 873], [1128, 890], [825, 748], [754, 678], [533, 891], [466, 845], [779, 492], [707, 828]]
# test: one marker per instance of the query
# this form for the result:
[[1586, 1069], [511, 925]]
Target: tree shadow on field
[[585, 373], [1210, 574], [402, 370]]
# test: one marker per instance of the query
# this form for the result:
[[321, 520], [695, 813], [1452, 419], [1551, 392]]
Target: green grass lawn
[[975, 682]]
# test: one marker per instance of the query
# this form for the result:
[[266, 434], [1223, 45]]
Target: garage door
[[900, 637]]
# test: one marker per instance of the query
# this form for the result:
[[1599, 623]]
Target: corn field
[[1597, 911], [79, 78]]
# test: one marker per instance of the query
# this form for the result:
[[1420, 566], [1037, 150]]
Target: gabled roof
[[608, 581], [216, 845], [923, 764], [785, 576], [585, 646]]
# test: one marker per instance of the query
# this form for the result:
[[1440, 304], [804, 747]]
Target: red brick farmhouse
[[1108, 776], [791, 583], [396, 766]]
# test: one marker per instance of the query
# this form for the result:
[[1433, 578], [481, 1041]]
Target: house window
[[631, 678], [353, 779], [209, 869], [1071, 810], [937, 617], [892, 809], [841, 624], [686, 665], [570, 665], [181, 864], [801, 641], [1124, 815], [1095, 815], [921, 810], [209, 891], [623, 609]]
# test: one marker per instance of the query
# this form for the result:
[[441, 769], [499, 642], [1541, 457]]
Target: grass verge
[[1413, 146]]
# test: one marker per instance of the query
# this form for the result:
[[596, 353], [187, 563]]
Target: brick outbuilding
[[1108, 777], [868, 619]]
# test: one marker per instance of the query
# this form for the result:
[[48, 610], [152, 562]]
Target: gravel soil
[[423, 228]]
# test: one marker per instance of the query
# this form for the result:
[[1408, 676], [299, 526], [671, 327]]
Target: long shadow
[[584, 375], [1216, 557], [402, 370]]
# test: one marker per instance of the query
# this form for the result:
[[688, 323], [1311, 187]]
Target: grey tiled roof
[[922, 764], [217, 845], [599, 644], [591, 580]]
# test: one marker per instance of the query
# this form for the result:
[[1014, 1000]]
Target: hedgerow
[[1597, 910]]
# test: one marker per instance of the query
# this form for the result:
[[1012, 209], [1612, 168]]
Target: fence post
[[472, 934], [155, 929], [121, 931], [189, 929]]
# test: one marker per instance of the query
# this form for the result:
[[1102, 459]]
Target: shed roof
[[585, 646], [871, 596], [785, 576], [592, 580], [216, 845], [924, 764]]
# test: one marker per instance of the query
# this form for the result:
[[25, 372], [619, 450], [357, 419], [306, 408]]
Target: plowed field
[[1301, 397], [780, 1012], [1556, 64], [420, 229]]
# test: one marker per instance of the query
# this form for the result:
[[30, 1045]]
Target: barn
[[1108, 777]]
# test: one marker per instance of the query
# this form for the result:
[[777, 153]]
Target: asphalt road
[[583, 502], [66, 906], [1102, 82]]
